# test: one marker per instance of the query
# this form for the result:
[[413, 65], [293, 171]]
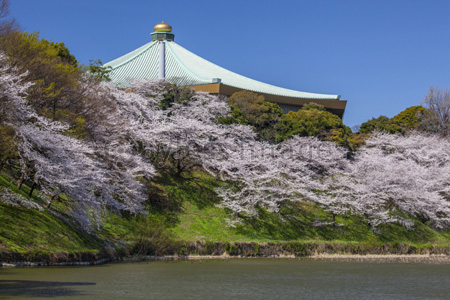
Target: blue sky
[[381, 56]]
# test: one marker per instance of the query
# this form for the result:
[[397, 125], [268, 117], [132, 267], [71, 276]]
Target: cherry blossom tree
[[94, 175], [395, 176], [187, 133], [266, 175], [391, 177]]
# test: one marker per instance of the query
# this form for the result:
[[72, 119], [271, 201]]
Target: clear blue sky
[[380, 55]]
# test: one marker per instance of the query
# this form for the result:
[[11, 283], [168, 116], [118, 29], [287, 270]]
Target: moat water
[[231, 279]]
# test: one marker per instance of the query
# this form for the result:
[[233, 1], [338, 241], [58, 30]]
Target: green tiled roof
[[185, 68]]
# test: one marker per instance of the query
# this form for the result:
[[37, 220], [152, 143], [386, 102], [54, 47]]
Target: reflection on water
[[47, 289], [231, 279]]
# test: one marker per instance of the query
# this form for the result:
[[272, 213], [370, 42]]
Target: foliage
[[7, 146], [407, 120], [49, 66], [63, 53], [410, 118], [344, 137], [268, 120], [382, 123], [153, 237], [250, 104], [174, 94], [313, 105], [99, 71], [313, 121]]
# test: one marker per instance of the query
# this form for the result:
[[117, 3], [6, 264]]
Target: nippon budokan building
[[164, 59]]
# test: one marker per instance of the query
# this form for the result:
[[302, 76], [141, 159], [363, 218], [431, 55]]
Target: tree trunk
[[179, 169], [32, 189], [20, 181], [54, 109], [51, 200]]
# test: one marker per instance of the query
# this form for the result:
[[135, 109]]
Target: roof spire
[[162, 27], [162, 32]]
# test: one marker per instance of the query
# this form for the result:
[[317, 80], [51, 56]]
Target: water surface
[[231, 279]]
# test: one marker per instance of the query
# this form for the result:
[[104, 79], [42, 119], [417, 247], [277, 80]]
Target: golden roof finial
[[162, 27]]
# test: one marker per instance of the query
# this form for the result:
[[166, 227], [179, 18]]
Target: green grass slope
[[185, 209], [25, 230], [198, 217]]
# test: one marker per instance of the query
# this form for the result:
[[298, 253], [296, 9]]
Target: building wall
[[336, 107], [287, 108]]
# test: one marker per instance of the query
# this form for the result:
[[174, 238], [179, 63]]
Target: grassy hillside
[[200, 219], [25, 230], [185, 209]]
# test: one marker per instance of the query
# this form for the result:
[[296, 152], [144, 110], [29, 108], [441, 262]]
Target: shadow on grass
[[40, 289], [202, 191], [169, 192], [296, 220], [419, 234]]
